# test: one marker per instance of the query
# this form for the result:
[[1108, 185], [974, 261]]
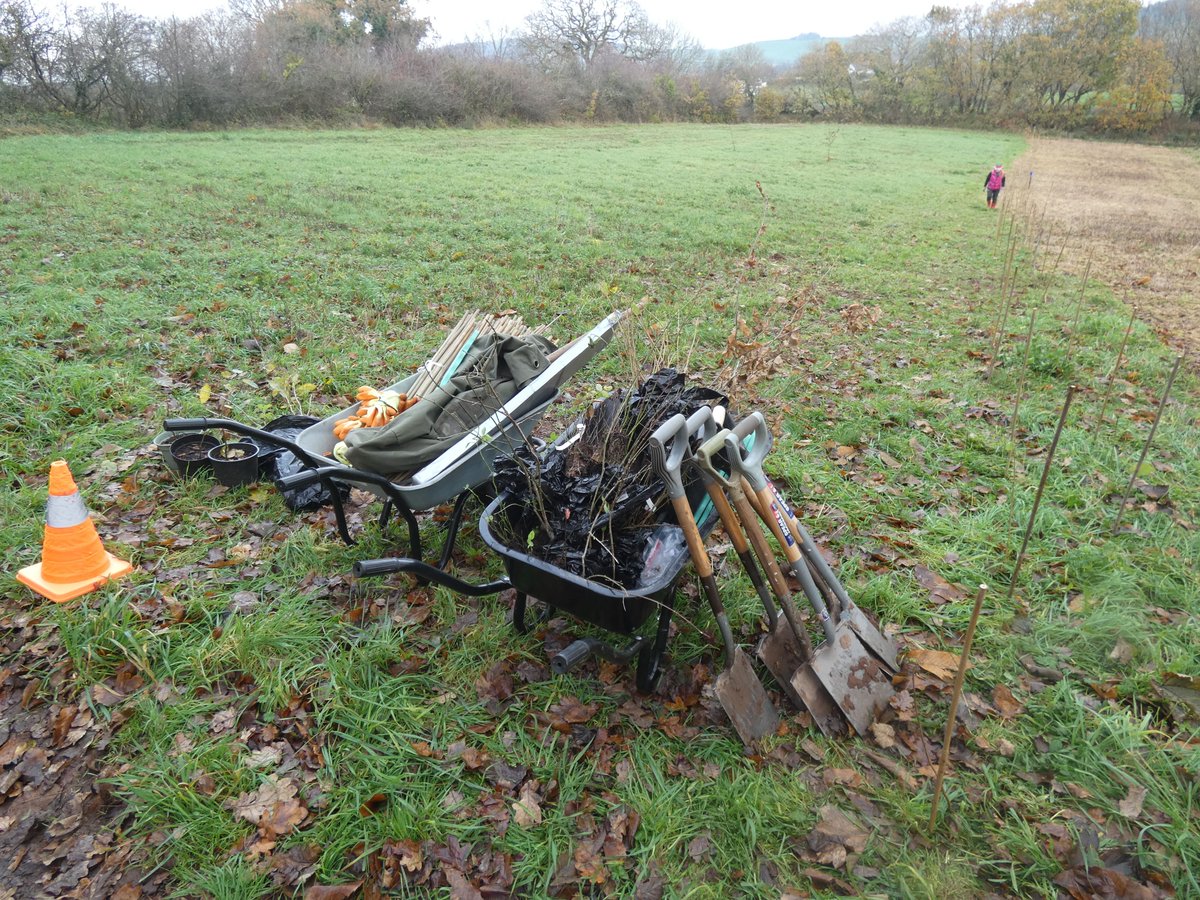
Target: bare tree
[[578, 32]]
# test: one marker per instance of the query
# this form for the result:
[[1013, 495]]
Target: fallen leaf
[[271, 793], [700, 847], [888, 460], [460, 886], [331, 891], [940, 590], [571, 711], [884, 734], [834, 837], [527, 810], [223, 721], [205, 393], [589, 864], [1005, 702], [1131, 806], [106, 696], [936, 662], [1122, 652]]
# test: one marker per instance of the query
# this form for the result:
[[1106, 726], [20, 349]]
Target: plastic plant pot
[[163, 442], [190, 452], [235, 463]]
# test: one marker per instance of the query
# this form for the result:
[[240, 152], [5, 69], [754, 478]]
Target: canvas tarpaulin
[[495, 369]]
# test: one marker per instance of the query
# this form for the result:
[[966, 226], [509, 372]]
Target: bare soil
[[1135, 209]]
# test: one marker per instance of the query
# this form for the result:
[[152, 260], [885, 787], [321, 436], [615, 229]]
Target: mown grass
[[139, 268]]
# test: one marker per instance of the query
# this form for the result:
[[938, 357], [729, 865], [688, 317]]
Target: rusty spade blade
[[854, 678], [741, 694], [779, 649]]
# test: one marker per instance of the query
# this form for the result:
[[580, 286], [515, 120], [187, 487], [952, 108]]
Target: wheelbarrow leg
[[519, 606], [452, 526], [649, 668], [339, 511]]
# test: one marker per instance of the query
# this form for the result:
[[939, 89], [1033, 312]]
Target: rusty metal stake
[[955, 695], [1117, 365], [1037, 500], [1146, 446]]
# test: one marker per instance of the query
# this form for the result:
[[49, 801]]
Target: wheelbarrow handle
[[298, 480], [191, 424]]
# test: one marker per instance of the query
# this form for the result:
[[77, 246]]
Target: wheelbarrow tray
[[621, 610], [466, 473]]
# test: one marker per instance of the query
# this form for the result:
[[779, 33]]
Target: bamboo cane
[[1037, 500], [955, 695], [1146, 446], [1012, 434], [1112, 376]]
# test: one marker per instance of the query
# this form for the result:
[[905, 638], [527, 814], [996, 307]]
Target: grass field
[[408, 738]]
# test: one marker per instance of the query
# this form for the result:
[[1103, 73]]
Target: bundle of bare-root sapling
[[592, 505]]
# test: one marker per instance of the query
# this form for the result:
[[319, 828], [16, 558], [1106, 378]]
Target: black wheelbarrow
[[456, 474], [620, 610]]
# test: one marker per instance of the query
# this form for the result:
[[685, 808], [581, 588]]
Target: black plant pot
[[190, 452], [235, 463]]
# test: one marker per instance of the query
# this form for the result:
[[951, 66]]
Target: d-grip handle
[[749, 462], [701, 424], [668, 446]]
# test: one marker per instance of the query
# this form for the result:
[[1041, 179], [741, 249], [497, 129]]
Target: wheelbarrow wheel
[[649, 668]]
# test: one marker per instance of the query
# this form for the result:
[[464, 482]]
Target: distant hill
[[786, 52]]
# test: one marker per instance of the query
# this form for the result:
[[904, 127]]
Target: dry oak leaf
[[940, 590], [1131, 806], [270, 795], [884, 734], [331, 891], [589, 864], [1004, 701], [834, 836], [936, 662], [527, 810]]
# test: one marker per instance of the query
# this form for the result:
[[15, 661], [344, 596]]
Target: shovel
[[786, 649], [742, 695], [780, 649], [882, 646], [856, 681]]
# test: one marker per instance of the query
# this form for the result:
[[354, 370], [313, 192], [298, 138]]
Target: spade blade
[[782, 654], [745, 700], [858, 683], [875, 641]]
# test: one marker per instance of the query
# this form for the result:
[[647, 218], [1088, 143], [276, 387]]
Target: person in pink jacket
[[993, 182]]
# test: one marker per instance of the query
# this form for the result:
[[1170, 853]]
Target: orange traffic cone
[[74, 560]]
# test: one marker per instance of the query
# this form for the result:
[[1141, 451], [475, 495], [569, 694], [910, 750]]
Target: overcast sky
[[716, 25]]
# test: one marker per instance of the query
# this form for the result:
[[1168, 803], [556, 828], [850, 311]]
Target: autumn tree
[[1176, 25], [1074, 48], [1142, 95], [829, 79], [893, 55]]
